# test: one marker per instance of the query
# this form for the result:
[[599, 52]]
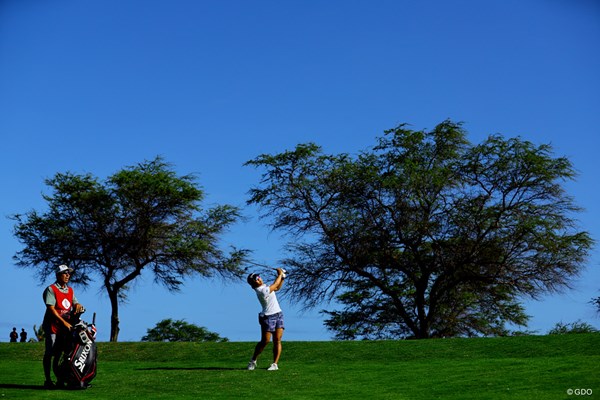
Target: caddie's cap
[[62, 269]]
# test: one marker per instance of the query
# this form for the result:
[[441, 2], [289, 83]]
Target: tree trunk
[[114, 315], [113, 295], [422, 320]]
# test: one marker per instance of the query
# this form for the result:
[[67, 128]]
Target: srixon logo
[[80, 362]]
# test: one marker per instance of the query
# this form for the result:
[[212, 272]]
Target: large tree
[[425, 234], [142, 218]]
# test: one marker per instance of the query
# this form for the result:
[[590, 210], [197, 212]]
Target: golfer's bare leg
[[277, 344], [260, 346]]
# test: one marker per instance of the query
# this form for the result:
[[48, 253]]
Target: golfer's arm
[[277, 284]]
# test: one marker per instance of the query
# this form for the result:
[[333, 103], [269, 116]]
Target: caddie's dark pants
[[55, 345]]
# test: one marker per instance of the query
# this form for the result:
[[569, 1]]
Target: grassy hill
[[529, 367]]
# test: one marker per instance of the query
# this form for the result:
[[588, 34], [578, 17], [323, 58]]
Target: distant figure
[[23, 335], [14, 336]]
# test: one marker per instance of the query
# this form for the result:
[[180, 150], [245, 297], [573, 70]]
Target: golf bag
[[78, 363]]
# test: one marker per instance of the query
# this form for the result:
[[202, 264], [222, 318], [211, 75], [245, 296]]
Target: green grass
[[530, 367]]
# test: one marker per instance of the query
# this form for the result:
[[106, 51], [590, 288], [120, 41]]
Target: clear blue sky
[[94, 86]]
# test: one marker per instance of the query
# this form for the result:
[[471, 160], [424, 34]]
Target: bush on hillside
[[168, 330], [574, 327]]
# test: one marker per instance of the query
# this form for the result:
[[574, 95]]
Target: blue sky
[[94, 86]]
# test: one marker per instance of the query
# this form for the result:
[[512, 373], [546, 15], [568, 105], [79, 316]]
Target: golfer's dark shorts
[[270, 323]]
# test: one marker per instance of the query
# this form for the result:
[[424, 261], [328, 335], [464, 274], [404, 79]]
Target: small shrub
[[574, 327], [168, 330]]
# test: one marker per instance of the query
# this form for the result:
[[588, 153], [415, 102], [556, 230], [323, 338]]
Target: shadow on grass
[[15, 386], [190, 369]]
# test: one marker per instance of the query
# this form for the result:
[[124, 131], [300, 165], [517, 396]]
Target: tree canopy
[[168, 330], [142, 218], [425, 234], [596, 302]]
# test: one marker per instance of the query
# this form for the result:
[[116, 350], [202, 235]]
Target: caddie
[[60, 303]]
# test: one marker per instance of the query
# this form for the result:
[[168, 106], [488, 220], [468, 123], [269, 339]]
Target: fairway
[[530, 367]]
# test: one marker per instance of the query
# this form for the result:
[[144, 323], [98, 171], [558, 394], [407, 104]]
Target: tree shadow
[[22, 387], [190, 369]]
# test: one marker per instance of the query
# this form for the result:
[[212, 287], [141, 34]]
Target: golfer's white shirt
[[268, 300]]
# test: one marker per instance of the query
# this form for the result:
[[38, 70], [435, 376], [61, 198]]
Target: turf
[[529, 367]]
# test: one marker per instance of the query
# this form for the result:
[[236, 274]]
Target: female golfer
[[270, 318]]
